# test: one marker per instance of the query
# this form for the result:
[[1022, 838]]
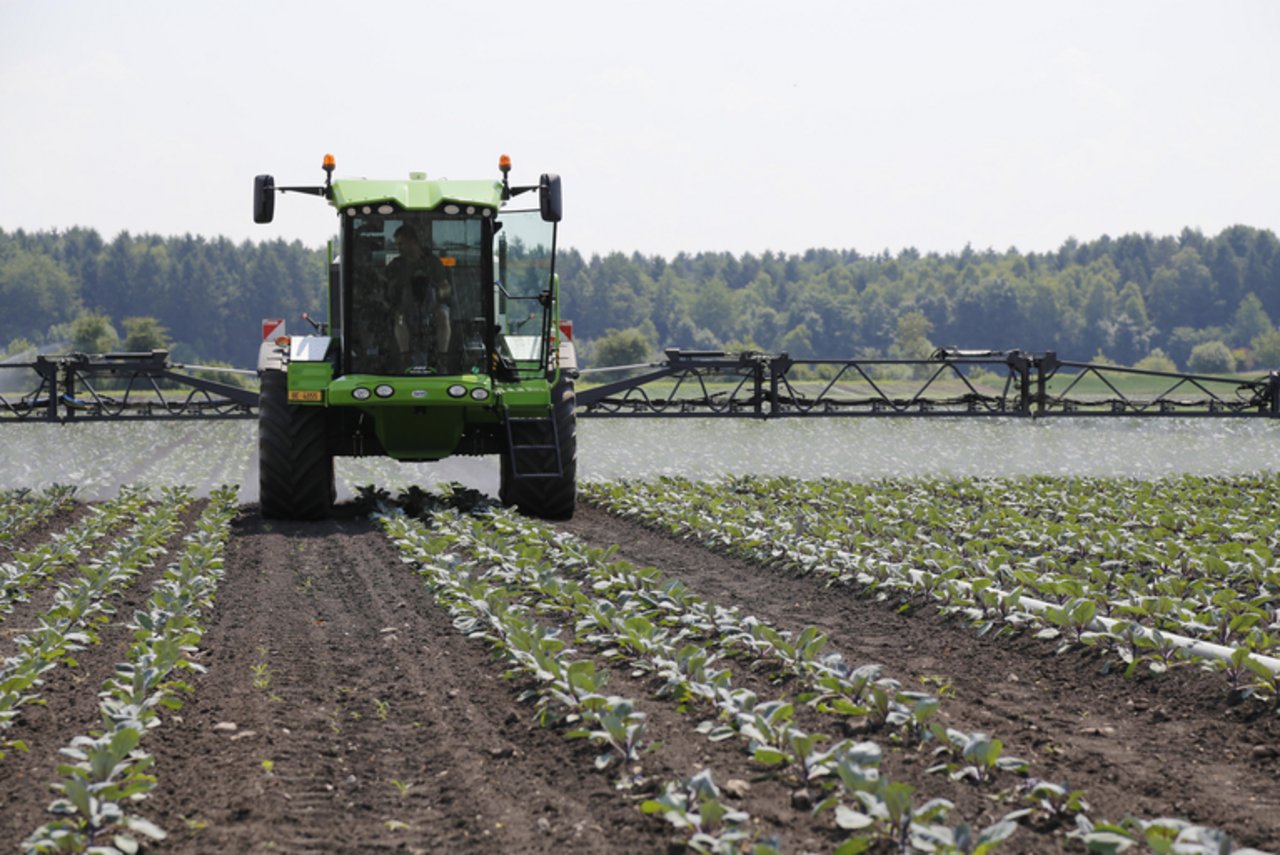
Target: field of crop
[[729, 659]]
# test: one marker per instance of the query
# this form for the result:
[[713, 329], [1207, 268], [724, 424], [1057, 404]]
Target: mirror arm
[[312, 191]]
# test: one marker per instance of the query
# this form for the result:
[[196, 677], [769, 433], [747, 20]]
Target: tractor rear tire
[[553, 498], [295, 467]]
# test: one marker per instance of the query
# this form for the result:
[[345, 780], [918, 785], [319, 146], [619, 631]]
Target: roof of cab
[[416, 194]]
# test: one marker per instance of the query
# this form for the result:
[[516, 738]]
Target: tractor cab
[[412, 293], [464, 288]]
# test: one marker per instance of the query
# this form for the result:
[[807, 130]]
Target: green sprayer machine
[[443, 337]]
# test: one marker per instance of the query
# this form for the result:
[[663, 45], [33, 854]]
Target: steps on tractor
[[533, 447]]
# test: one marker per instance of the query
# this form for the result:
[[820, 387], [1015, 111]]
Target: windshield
[[526, 262], [416, 283]]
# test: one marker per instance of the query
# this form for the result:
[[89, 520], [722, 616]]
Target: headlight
[[384, 390], [457, 390], [360, 393], [480, 394]]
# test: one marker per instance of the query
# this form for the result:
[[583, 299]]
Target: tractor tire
[[553, 498], [295, 467]]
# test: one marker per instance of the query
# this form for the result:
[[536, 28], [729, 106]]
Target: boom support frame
[[1032, 385], [703, 384], [115, 387]]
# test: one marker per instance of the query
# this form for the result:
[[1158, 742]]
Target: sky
[[675, 126]]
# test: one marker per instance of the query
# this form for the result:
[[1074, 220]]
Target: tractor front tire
[[552, 498], [295, 467]]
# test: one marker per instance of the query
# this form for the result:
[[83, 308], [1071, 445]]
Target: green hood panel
[[416, 195], [425, 435]]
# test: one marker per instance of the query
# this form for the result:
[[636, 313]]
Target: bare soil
[[341, 711]]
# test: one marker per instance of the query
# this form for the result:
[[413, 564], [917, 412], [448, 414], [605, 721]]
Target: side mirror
[[264, 198], [549, 198]]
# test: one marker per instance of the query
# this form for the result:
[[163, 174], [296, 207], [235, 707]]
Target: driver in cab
[[419, 285]]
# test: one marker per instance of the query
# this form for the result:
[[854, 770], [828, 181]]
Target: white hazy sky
[[676, 126]]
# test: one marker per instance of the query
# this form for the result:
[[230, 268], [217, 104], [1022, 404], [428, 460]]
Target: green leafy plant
[[693, 807]]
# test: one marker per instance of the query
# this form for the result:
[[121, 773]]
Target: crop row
[[520, 586], [83, 603], [105, 773], [21, 509], [29, 569], [1162, 573], [515, 574]]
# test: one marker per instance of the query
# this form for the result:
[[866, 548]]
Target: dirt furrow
[[1149, 746], [341, 711]]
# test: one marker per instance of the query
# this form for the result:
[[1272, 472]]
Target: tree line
[[201, 298], [1136, 298], [1121, 300]]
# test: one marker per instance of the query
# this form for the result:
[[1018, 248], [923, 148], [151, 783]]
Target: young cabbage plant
[[984, 757], [857, 769], [963, 839], [693, 807], [797, 654], [979, 755], [619, 726], [1265, 679], [108, 771], [814, 763], [1071, 621], [687, 675], [766, 726], [916, 728], [887, 815], [886, 710], [583, 686], [1056, 804], [1240, 682], [842, 695]]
